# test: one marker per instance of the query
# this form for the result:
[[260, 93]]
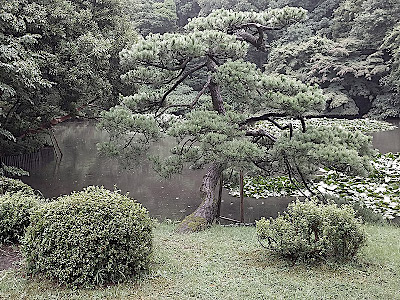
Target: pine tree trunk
[[207, 211]]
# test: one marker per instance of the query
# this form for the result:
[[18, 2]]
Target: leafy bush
[[14, 185], [309, 230], [366, 214], [15, 211], [90, 237]]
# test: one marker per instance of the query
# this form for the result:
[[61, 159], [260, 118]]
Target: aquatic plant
[[363, 125], [380, 191]]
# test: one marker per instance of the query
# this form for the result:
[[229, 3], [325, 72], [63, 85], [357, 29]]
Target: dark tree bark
[[207, 211]]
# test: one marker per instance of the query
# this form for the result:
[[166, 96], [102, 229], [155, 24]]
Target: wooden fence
[[31, 160]]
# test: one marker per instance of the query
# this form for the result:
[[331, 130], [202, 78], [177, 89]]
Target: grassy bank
[[228, 263]]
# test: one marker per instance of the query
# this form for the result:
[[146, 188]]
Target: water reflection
[[173, 198], [388, 141]]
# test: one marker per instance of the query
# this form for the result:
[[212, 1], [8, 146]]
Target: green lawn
[[228, 263]]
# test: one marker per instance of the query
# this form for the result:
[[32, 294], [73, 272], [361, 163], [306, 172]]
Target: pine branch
[[261, 133], [164, 67], [178, 82], [191, 105]]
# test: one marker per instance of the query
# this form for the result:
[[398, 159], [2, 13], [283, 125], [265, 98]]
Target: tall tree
[[21, 78], [149, 16], [388, 104], [215, 125], [57, 56]]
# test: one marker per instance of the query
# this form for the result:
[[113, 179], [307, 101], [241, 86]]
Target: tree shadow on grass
[[10, 256]]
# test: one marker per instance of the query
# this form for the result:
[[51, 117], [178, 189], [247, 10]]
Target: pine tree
[[215, 123]]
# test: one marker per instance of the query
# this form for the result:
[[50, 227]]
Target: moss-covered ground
[[228, 263]]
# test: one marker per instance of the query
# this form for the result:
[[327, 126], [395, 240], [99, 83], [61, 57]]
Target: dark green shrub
[[15, 211], [90, 237], [14, 185], [365, 213], [309, 230]]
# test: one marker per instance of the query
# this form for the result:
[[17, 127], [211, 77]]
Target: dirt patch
[[10, 257]]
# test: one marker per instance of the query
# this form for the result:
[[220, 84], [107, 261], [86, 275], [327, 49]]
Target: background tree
[[340, 48], [57, 56], [388, 104], [349, 78], [215, 128], [21, 78], [153, 16]]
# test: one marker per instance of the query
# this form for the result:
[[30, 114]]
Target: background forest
[[61, 58]]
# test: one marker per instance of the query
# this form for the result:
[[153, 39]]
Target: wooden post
[[241, 198], [221, 182]]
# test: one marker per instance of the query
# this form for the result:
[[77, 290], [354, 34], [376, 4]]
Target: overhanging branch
[[191, 105], [261, 133], [164, 67], [178, 82]]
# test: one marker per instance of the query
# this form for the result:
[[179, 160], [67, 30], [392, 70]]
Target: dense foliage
[[90, 237], [56, 57], [348, 47], [15, 211], [14, 185], [313, 231]]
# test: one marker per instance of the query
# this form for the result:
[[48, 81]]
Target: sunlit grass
[[228, 263]]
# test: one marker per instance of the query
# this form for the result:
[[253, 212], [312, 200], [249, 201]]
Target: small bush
[[90, 237], [15, 211], [366, 214], [14, 185], [309, 230]]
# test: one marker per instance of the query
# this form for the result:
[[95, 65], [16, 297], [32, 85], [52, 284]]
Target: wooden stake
[[221, 182], [241, 198]]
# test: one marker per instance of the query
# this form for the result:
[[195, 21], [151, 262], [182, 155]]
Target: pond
[[388, 141], [174, 198]]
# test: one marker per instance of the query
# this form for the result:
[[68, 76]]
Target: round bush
[[90, 237], [311, 230], [15, 211], [14, 185]]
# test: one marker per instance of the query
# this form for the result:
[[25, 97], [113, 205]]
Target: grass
[[228, 263]]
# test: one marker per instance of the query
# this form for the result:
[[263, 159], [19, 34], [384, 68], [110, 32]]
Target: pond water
[[174, 198], [388, 141]]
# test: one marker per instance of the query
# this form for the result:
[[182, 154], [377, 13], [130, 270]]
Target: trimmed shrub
[[15, 211], [311, 230], [14, 185], [90, 237]]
